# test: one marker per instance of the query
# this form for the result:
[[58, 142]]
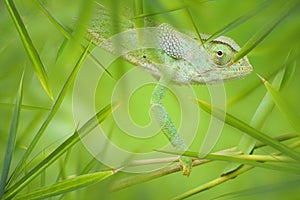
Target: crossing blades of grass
[[287, 110], [28, 44], [140, 178], [67, 34], [291, 65], [50, 115], [10, 147], [238, 124], [66, 185], [240, 20], [262, 112], [65, 146], [262, 33]]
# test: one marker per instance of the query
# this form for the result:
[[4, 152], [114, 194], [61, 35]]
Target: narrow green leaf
[[213, 183], [262, 33], [290, 63], [287, 110], [63, 166], [50, 115], [68, 33], [140, 178], [290, 71], [28, 44], [10, 147], [236, 123], [194, 26], [25, 107], [253, 160], [69, 143], [66, 185], [64, 30], [240, 20], [138, 9], [159, 12], [262, 112], [94, 160]]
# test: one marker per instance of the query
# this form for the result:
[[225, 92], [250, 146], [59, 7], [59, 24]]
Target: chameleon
[[179, 59]]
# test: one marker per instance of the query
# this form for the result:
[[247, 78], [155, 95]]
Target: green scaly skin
[[180, 61]]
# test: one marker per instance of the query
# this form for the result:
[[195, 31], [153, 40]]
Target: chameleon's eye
[[219, 53]]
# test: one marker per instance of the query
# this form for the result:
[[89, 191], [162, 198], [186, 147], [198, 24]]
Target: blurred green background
[[209, 16]]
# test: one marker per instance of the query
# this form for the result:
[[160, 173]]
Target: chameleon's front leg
[[168, 127]]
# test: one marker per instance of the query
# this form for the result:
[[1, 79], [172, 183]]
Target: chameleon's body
[[181, 60]]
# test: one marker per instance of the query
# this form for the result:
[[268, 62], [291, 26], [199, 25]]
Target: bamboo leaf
[[240, 20], [262, 112], [69, 143], [64, 30], [194, 25], [31, 50], [262, 33], [67, 34], [290, 71], [51, 114], [290, 67], [159, 12], [26, 107], [236, 123], [287, 110], [10, 147], [214, 183], [66, 185]]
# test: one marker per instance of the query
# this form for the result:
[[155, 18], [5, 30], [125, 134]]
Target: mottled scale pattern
[[170, 42]]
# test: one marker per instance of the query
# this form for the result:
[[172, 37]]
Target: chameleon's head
[[221, 52]]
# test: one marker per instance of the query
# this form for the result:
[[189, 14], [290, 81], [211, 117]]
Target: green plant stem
[[214, 182], [136, 179]]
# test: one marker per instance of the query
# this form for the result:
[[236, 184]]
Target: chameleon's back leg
[[168, 127]]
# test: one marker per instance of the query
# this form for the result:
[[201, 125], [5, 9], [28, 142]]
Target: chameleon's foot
[[186, 165]]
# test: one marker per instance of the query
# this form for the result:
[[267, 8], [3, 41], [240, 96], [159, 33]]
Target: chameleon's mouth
[[225, 73]]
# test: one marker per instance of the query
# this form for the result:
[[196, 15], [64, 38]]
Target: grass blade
[[64, 30], [283, 106], [66, 185], [213, 183], [262, 112], [69, 143], [26, 107], [51, 114], [240, 20], [28, 44], [262, 33], [290, 71], [236, 123], [11, 139], [159, 12], [140, 178], [67, 33], [188, 12]]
